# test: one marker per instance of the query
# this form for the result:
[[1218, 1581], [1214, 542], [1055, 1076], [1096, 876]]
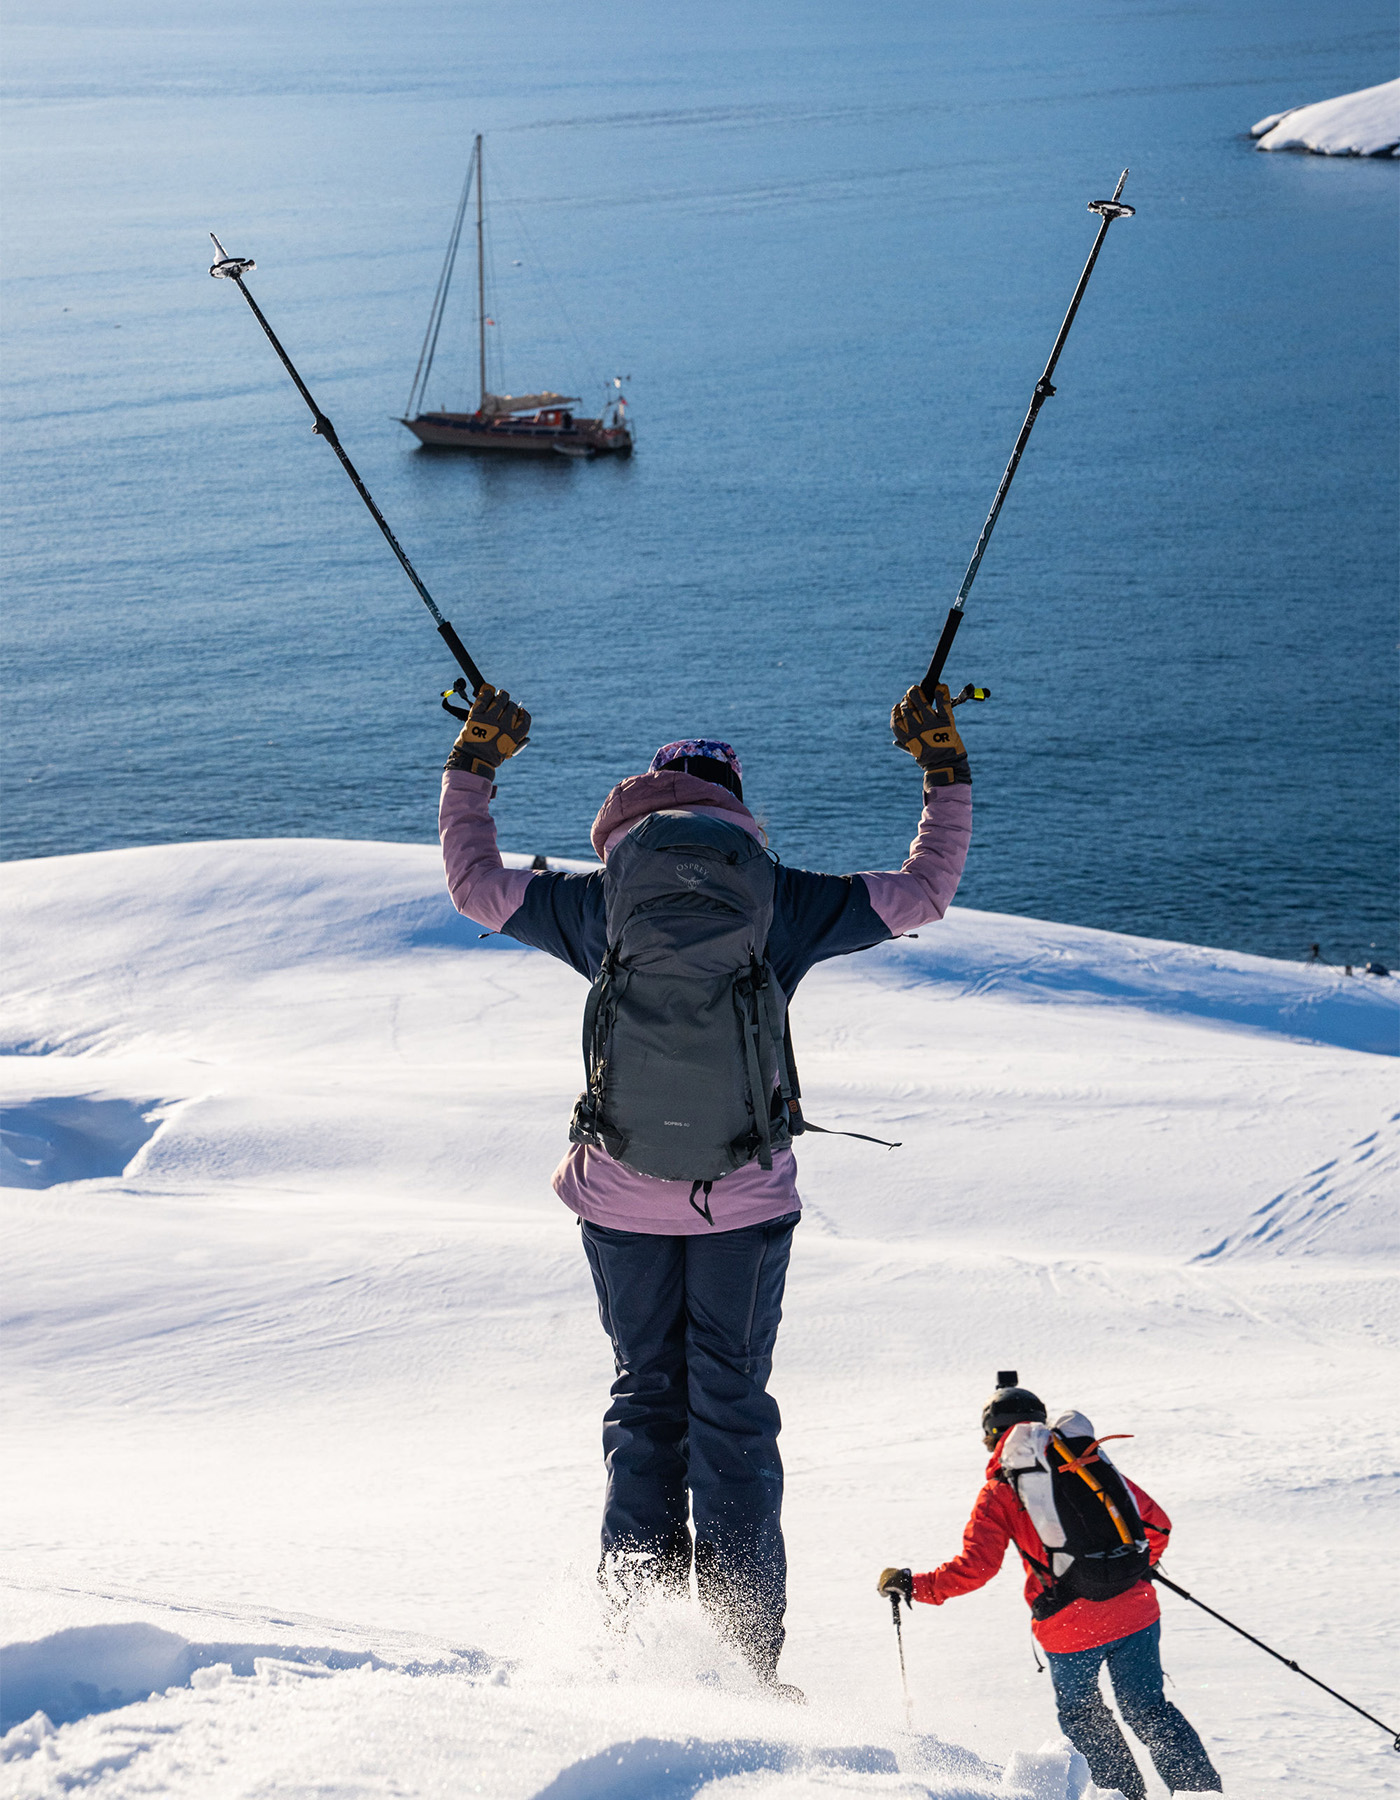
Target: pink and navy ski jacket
[[814, 917]]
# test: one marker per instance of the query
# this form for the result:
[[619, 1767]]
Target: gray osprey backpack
[[689, 1077]]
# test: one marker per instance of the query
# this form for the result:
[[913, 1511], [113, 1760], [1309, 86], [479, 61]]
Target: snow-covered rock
[[1366, 123]]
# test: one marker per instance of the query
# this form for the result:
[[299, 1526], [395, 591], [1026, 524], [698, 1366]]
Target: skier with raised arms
[[680, 1168]]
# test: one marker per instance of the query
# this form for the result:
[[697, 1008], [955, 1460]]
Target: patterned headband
[[713, 748]]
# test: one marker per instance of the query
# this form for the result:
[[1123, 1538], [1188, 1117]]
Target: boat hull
[[519, 437]]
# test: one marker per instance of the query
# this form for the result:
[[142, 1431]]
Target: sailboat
[[543, 423]]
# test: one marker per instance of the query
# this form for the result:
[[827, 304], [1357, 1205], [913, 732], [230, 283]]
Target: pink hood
[[667, 790]]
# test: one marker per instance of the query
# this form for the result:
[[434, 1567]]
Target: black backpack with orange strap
[[1081, 1508]]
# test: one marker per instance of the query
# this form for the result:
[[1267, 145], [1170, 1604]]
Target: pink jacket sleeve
[[923, 889], [480, 885]]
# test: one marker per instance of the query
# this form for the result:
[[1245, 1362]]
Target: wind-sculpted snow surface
[[73, 1138], [1366, 123], [179, 1718], [304, 1376], [248, 911], [1033, 960], [91, 1669]]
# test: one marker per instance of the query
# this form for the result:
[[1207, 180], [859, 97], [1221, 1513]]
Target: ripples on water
[[831, 245]]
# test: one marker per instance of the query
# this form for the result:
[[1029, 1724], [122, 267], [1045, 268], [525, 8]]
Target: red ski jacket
[[999, 1519]]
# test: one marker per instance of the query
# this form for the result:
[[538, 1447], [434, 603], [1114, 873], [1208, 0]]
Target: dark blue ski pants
[[692, 1433], [1135, 1669]]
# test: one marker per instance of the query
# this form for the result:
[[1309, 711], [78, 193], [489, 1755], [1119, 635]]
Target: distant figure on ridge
[[1087, 1537], [680, 1167]]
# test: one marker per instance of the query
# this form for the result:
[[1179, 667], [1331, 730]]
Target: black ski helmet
[[1010, 1404]]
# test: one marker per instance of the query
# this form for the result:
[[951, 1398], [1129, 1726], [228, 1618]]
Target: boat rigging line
[[418, 392], [570, 338], [1108, 211], [234, 268]]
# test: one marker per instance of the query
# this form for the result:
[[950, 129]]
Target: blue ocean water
[[830, 245]]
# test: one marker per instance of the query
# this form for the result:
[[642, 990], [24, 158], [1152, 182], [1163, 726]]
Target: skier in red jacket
[[1081, 1636]]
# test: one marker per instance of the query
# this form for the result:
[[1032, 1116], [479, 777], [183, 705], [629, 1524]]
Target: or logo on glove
[[496, 728], [930, 735]]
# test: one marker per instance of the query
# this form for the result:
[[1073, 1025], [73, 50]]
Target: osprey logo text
[[692, 874]]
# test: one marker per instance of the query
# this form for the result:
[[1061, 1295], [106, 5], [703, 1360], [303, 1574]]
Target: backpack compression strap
[[1076, 1464], [864, 1137], [753, 1022], [1089, 1456], [792, 1094]]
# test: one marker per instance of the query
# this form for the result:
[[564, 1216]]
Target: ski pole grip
[[940, 655], [463, 656]]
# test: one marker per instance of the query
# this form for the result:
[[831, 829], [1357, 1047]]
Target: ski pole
[[1108, 211], [903, 1672], [1287, 1662], [234, 268]]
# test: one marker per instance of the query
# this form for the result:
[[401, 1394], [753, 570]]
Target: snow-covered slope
[[303, 1368], [1366, 123]]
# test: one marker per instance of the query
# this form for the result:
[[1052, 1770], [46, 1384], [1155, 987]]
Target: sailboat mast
[[480, 278]]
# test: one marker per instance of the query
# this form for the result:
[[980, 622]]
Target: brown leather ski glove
[[897, 1581], [495, 729], [930, 736]]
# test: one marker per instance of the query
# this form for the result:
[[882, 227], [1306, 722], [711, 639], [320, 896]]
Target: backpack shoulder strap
[[749, 996], [583, 1128], [591, 1008]]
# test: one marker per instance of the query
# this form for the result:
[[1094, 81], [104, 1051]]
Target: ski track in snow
[[1315, 1212], [304, 1374]]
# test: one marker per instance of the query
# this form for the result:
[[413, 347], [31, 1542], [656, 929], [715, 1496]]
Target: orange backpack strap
[[1073, 1468], [1076, 1465]]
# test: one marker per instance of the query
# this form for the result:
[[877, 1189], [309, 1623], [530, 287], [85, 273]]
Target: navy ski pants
[[1135, 1669], [692, 1433]]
